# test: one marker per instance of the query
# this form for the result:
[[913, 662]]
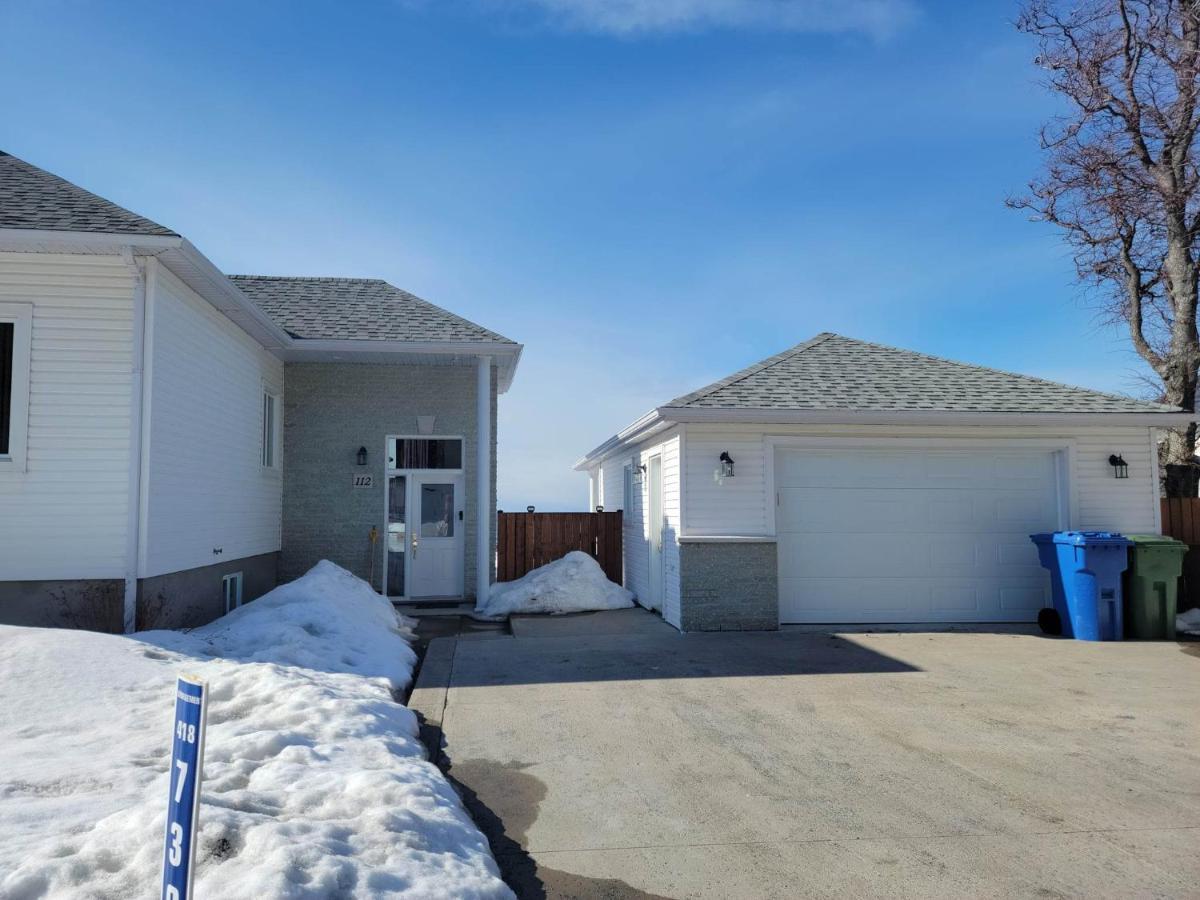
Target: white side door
[[654, 522], [435, 536]]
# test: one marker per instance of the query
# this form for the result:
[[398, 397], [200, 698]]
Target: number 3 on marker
[[176, 854]]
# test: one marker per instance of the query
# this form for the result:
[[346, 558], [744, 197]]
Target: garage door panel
[[912, 536]]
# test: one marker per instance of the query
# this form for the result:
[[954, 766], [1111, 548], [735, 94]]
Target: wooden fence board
[[1181, 520], [527, 540]]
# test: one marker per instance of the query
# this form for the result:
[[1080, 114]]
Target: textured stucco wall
[[728, 586], [330, 410], [196, 596]]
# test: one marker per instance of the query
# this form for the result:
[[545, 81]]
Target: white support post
[[483, 482]]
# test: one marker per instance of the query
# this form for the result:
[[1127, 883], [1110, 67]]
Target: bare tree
[[1121, 171]]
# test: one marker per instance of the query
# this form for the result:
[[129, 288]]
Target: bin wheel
[[1049, 621]]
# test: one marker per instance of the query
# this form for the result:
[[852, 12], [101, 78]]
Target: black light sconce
[[1120, 467], [638, 473], [362, 456], [599, 509], [529, 509], [726, 464]]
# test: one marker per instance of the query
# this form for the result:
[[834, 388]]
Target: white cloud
[[877, 18]]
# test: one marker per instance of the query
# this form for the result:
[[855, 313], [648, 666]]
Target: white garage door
[[912, 535]]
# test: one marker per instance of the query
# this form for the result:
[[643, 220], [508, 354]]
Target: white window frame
[[234, 579], [627, 487], [20, 315], [269, 449]]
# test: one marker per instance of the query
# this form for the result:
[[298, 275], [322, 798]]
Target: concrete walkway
[[609, 756]]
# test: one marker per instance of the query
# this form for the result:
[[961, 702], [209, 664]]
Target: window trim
[[390, 468], [627, 487], [269, 431], [21, 317], [226, 580]]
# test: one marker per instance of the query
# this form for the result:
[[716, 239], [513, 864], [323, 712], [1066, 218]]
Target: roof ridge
[[743, 374], [1005, 372], [323, 278]]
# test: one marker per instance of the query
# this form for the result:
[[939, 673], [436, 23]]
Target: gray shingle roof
[[831, 372], [33, 198], [365, 309]]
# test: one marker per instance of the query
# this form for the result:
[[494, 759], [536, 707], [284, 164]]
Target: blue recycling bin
[[1085, 572]]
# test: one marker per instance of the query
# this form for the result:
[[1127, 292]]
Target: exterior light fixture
[[599, 509], [1120, 467], [726, 464], [529, 509], [638, 473], [362, 456]]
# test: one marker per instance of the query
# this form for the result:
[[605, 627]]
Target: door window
[[437, 510], [396, 535]]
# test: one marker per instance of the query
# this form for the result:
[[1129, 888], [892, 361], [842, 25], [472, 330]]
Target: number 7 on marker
[[183, 767]]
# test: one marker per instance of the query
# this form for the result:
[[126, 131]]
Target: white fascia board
[[648, 424], [918, 417], [38, 239]]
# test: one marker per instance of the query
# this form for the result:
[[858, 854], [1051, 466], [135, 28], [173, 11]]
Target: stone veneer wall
[[330, 410], [728, 586]]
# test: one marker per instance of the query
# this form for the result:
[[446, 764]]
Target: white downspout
[[483, 482], [134, 518]]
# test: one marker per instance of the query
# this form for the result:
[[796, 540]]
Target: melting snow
[[315, 784]]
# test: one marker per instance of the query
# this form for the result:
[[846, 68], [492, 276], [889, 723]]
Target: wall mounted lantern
[[362, 456], [726, 464], [529, 509], [1120, 467], [638, 473], [599, 509]]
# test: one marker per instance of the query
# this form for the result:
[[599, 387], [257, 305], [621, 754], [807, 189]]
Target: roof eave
[[640, 429], [505, 354], [45, 240], [918, 417]]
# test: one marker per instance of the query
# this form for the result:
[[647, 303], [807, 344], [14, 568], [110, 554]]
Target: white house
[[842, 481], [173, 439]]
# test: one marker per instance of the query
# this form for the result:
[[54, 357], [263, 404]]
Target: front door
[[436, 536]]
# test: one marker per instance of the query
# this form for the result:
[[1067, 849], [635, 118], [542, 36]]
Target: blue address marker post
[[183, 804]]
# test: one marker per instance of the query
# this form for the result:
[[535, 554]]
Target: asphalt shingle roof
[[831, 372], [355, 309], [33, 198]]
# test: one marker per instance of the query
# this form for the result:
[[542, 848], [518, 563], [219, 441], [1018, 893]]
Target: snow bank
[[575, 583], [315, 784], [1188, 622]]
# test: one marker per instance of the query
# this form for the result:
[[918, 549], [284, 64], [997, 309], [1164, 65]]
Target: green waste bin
[[1155, 563]]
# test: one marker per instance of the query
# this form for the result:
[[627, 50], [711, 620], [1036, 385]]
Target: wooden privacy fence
[[1181, 520], [526, 540]]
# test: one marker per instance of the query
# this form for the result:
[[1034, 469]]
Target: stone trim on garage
[[729, 584]]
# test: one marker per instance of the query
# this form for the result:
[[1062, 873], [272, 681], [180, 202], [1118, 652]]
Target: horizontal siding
[[739, 505], [206, 486], [636, 524], [65, 516]]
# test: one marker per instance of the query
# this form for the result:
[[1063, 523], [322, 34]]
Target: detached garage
[[846, 482]]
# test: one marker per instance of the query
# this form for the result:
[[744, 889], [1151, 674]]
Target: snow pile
[[315, 784], [1188, 622], [575, 583]]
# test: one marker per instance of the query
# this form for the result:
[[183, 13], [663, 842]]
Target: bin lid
[[1042, 537], [1160, 540], [1091, 538]]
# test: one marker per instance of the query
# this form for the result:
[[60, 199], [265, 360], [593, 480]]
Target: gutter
[[919, 417], [134, 515]]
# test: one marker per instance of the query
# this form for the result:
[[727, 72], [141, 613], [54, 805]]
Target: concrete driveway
[[609, 756]]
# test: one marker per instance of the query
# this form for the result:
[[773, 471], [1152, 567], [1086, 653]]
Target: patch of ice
[[315, 782], [1188, 622], [575, 583]]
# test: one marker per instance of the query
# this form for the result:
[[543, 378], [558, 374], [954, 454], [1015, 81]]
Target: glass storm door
[[435, 539]]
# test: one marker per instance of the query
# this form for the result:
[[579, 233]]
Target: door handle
[[414, 545]]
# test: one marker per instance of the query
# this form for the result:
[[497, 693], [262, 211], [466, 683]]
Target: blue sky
[[649, 194]]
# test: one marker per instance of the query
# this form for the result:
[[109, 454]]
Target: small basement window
[[270, 408], [231, 586], [426, 453]]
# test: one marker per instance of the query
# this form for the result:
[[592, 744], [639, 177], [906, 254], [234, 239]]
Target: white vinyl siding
[[636, 526], [740, 505], [207, 487], [64, 516]]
